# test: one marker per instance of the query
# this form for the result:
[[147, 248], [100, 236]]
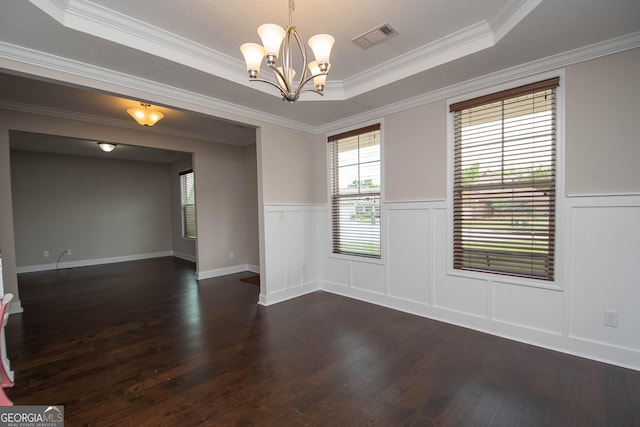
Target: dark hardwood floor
[[142, 343]]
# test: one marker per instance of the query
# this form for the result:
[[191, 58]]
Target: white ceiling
[[188, 50]]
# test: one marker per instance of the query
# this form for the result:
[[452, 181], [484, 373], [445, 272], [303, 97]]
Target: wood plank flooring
[[142, 343]]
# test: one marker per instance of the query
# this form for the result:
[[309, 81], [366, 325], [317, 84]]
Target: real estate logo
[[32, 416]]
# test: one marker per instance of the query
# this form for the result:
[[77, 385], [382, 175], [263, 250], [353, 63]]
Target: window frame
[[562, 231], [183, 223], [330, 240]]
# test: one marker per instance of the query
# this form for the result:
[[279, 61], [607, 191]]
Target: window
[[188, 204], [355, 192], [504, 182]]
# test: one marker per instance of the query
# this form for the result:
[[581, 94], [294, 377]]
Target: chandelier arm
[[270, 82], [282, 78], [285, 60], [299, 91], [303, 77], [309, 90]]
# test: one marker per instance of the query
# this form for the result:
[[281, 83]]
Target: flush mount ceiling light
[[278, 43], [106, 146], [145, 116]]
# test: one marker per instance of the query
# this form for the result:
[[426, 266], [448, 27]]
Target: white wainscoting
[[605, 248], [529, 307], [409, 262], [292, 254], [598, 269]]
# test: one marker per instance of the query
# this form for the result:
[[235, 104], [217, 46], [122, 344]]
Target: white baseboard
[[210, 274], [90, 262], [186, 257], [98, 261], [601, 352], [287, 294]]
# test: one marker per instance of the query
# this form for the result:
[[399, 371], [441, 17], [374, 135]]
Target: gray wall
[[97, 208]]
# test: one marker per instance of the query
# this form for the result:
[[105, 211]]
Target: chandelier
[[278, 45]]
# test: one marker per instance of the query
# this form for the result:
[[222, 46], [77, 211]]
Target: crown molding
[[461, 43], [449, 48], [108, 24], [509, 15], [84, 117], [42, 64], [21, 59], [555, 62], [91, 118]]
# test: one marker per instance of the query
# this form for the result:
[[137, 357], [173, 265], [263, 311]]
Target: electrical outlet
[[231, 255], [68, 251], [45, 254], [611, 318]]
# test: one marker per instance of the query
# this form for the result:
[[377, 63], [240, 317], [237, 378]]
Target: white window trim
[[562, 226], [383, 239]]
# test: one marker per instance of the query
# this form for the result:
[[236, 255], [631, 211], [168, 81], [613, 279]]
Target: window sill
[[509, 280], [354, 258]]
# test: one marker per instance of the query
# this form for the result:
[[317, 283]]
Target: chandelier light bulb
[[320, 78], [253, 54], [321, 45], [271, 36]]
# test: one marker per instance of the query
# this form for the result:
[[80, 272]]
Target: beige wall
[[251, 189], [602, 133], [221, 207], [292, 166], [415, 158], [603, 125]]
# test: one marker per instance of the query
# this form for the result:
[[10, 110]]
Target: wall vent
[[375, 36]]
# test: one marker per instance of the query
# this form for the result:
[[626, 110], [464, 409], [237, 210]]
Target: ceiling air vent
[[375, 36]]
